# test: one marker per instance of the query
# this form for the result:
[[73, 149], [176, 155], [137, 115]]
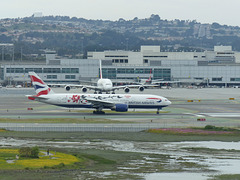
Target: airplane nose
[[169, 102]]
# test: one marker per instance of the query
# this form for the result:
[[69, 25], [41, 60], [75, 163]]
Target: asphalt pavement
[[220, 105]]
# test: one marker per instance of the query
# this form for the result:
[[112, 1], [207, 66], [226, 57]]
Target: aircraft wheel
[[98, 112]]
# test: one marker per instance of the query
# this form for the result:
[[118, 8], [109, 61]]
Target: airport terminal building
[[218, 67]]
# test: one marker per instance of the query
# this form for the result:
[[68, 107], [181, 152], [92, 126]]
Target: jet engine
[[67, 88], [141, 88], [84, 89], [120, 108], [126, 90]]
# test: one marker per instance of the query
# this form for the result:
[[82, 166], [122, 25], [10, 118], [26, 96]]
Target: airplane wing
[[63, 85], [150, 85], [93, 88], [99, 103], [165, 82], [134, 86]]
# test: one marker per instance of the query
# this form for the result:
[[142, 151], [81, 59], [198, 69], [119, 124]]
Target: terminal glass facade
[[43, 70], [158, 73], [51, 76], [15, 70], [51, 70], [234, 79], [110, 73], [70, 77], [164, 74], [36, 70], [70, 70]]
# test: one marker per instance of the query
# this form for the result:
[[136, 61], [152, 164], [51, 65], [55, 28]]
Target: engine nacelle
[[120, 108], [141, 88], [126, 90], [84, 89], [67, 88]]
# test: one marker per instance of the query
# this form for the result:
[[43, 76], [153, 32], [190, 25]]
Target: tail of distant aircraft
[[150, 75], [40, 87], [149, 80]]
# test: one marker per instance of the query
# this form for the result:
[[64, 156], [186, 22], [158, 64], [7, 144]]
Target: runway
[[213, 104]]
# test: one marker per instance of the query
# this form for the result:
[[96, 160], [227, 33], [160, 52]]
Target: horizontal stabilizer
[[32, 97]]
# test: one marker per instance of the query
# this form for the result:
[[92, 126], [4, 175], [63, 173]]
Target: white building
[[218, 67], [54, 70]]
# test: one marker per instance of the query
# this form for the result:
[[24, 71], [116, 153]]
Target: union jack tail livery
[[40, 87]]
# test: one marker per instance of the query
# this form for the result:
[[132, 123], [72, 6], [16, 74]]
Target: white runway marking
[[197, 115], [222, 114]]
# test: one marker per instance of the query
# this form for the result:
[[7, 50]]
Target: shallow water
[[175, 176], [216, 154]]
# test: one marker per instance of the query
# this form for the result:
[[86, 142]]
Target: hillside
[[75, 36]]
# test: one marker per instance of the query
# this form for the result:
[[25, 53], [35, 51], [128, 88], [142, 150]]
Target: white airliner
[[104, 85], [115, 102]]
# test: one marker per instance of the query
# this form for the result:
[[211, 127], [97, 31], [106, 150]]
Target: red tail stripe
[[35, 79], [31, 98], [45, 92]]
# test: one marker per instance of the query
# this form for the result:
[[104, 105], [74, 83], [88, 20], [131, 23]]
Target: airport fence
[[111, 127], [124, 127]]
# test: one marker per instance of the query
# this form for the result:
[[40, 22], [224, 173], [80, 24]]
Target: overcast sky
[[204, 11]]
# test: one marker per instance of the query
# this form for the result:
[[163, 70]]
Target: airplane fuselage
[[105, 85], [131, 100]]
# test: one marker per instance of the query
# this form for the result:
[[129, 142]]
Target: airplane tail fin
[[149, 80], [40, 87]]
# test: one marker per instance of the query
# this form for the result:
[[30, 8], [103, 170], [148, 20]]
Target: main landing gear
[[95, 92], [158, 110], [98, 112]]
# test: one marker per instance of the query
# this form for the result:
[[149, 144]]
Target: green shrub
[[209, 127], [29, 152], [25, 152], [59, 166], [35, 152]]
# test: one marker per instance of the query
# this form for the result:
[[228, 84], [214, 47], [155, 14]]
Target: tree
[[35, 152], [29, 152], [25, 152]]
